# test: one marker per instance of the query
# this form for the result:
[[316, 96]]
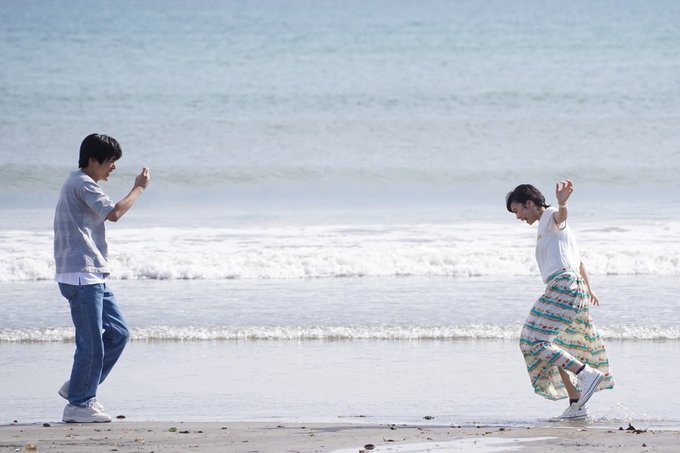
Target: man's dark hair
[[100, 147], [524, 193]]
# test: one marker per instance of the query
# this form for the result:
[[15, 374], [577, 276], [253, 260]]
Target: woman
[[564, 354]]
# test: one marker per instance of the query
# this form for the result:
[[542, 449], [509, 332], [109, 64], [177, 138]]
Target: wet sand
[[249, 437]]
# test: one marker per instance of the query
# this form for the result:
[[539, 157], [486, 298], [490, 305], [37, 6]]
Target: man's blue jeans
[[93, 310]]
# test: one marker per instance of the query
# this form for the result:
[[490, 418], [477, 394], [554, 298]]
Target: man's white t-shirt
[[80, 278], [555, 246]]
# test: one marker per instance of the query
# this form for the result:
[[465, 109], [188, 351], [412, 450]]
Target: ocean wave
[[334, 333], [342, 251]]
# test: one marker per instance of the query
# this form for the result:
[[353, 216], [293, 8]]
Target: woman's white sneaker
[[90, 413], [588, 380], [573, 412]]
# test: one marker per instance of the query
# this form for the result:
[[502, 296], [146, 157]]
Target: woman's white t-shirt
[[555, 246]]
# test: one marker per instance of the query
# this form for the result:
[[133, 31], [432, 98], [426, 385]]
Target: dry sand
[[247, 437]]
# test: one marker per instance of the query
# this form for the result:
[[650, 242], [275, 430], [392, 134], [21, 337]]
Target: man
[[80, 255]]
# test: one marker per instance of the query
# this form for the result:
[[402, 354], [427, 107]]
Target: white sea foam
[[333, 333], [294, 252]]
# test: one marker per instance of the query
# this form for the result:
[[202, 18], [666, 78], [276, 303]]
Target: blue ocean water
[[329, 178], [263, 105]]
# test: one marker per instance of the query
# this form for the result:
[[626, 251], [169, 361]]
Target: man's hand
[[142, 180]]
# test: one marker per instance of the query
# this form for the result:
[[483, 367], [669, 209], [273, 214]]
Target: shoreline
[[249, 437]]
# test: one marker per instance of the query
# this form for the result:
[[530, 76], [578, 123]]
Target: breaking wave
[[334, 333], [297, 252]]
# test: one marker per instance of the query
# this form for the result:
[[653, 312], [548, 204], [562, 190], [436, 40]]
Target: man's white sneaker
[[63, 392], [88, 414], [573, 412], [588, 380]]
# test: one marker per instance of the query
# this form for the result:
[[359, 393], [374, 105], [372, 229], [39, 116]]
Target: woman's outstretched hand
[[563, 190]]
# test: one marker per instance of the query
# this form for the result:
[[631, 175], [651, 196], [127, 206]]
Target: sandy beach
[[247, 437], [324, 256]]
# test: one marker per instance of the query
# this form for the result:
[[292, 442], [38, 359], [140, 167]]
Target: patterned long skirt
[[559, 331]]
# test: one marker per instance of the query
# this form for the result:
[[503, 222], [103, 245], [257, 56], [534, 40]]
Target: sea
[[325, 235]]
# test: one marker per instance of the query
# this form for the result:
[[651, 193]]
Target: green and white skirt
[[558, 332]]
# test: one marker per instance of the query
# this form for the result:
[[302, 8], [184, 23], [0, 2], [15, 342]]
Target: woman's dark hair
[[100, 147], [524, 193]]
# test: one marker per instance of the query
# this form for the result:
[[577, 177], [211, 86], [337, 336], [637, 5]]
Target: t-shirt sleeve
[[550, 225], [95, 198]]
